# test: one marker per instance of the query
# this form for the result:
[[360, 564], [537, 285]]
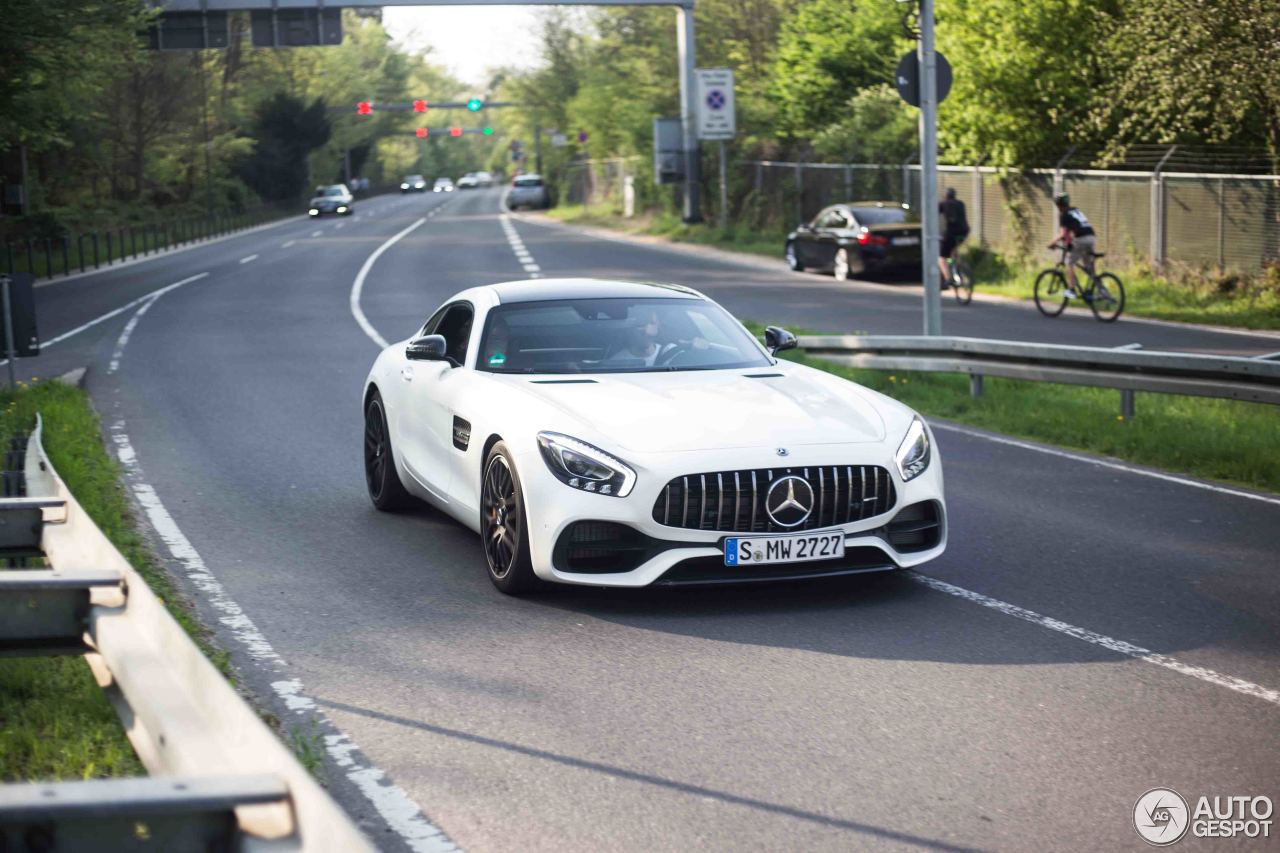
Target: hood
[[778, 406]]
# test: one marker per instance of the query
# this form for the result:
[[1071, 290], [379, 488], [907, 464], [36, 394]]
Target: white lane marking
[[123, 340], [338, 225], [392, 803], [1210, 676], [248, 258], [286, 244], [1107, 463], [116, 312], [357, 286], [523, 256], [316, 233]]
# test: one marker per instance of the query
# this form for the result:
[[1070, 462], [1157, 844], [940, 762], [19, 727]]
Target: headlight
[[914, 453], [578, 464], [313, 212], [404, 186], [342, 208]]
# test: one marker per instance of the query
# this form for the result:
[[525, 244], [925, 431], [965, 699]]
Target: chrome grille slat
[[731, 509]]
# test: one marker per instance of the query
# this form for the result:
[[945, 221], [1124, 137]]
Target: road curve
[[886, 712]]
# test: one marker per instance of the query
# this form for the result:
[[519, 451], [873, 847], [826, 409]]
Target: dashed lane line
[[523, 256], [287, 243], [123, 340], [248, 259]]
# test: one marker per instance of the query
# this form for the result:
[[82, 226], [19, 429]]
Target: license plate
[[905, 241], [802, 548]]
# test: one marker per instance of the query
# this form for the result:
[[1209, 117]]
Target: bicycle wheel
[[1108, 298], [962, 283], [1051, 295]]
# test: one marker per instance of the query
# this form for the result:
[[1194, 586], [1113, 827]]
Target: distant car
[[469, 181], [527, 191], [335, 198], [413, 184], [857, 237], [484, 179], [443, 185]]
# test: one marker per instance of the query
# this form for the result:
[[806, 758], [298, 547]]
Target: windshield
[[413, 179], [883, 215], [528, 182], [332, 191], [614, 336]]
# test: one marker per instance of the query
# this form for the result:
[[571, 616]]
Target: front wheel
[[793, 259], [962, 283], [1108, 298], [1051, 292], [385, 489], [503, 526]]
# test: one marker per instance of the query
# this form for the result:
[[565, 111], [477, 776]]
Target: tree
[[286, 131], [875, 126]]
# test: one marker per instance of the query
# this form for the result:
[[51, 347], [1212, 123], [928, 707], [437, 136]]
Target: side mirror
[[778, 339], [427, 348]]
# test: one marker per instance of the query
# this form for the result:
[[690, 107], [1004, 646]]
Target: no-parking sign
[[717, 118]]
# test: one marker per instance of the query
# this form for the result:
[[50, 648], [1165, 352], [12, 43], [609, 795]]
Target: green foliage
[[876, 126], [286, 130]]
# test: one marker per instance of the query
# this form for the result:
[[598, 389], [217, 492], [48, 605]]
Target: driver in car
[[643, 344]]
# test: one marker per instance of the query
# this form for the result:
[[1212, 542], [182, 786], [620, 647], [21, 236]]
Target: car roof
[[900, 204], [537, 290]]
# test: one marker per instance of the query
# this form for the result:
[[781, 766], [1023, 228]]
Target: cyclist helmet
[[1061, 200], [951, 192]]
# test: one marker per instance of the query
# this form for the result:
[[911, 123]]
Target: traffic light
[[422, 132], [488, 131], [419, 106], [364, 108], [455, 131], [475, 104]]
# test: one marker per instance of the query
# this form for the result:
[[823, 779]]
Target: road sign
[[582, 136], [907, 78], [717, 116], [559, 140]]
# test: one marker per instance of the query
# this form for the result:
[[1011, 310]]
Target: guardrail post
[[1128, 405], [975, 385]]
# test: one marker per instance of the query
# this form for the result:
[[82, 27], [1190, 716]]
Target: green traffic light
[[488, 131], [474, 105]]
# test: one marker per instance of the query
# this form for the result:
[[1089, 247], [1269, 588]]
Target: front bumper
[[666, 554]]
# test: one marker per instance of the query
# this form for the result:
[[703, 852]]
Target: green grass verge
[[1189, 297], [1216, 439], [55, 722]]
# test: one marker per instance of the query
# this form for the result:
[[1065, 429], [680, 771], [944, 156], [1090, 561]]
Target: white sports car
[[624, 434]]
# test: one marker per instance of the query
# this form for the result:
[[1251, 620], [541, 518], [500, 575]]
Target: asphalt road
[[941, 710]]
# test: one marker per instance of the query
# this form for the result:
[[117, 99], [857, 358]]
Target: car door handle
[[406, 373]]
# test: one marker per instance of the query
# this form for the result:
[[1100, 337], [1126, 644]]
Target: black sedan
[[857, 237]]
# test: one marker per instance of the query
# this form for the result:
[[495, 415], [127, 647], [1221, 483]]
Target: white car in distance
[[625, 434]]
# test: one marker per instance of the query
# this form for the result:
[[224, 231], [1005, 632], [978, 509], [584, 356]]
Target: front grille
[[917, 527], [734, 501], [601, 547]]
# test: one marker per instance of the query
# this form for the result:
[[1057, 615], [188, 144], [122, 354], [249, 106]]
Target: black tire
[[504, 529], [793, 259], [1051, 292], [1107, 298], [962, 283], [385, 489]]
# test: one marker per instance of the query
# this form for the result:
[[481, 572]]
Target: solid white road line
[[1107, 463], [248, 258], [123, 308], [1239, 685], [357, 286], [391, 802], [123, 340]]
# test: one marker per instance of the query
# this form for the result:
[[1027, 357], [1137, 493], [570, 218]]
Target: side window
[[832, 219], [820, 220], [455, 326], [429, 327]]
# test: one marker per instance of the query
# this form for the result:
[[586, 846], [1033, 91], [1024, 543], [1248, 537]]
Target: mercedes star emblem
[[789, 501], [782, 451]]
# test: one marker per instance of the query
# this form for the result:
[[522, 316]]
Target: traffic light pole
[[689, 113], [929, 171]]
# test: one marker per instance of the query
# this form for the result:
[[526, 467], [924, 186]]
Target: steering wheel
[[670, 355]]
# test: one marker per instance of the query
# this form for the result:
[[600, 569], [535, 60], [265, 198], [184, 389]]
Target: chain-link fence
[[1200, 220], [597, 182]]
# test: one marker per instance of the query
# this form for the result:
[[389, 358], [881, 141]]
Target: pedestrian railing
[[220, 779], [1255, 380]]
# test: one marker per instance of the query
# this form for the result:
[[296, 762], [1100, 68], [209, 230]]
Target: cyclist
[[955, 227], [1076, 233]]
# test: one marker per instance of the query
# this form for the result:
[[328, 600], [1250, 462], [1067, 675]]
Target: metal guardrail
[[220, 779], [1256, 380]]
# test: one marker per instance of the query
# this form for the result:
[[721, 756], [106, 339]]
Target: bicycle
[[1104, 291], [961, 280]]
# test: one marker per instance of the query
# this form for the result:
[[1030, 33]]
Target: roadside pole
[[689, 113], [724, 187], [929, 171], [10, 345]]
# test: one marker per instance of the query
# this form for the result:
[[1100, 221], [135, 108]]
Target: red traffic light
[[419, 106], [455, 131], [364, 108], [422, 132]]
